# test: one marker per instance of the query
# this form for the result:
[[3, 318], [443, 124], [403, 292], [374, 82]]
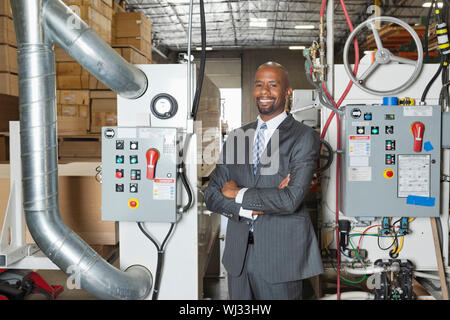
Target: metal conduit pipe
[[37, 104]]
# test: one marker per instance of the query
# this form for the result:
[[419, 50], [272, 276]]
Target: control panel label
[[360, 174], [164, 189], [413, 175], [418, 111]]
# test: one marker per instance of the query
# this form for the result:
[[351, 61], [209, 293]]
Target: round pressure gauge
[[164, 106]]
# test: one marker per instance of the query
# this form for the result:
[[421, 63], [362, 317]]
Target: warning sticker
[[359, 146], [164, 189]]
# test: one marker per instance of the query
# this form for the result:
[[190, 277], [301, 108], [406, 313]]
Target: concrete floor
[[215, 288]]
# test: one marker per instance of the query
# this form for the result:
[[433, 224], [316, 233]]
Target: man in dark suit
[[259, 183]]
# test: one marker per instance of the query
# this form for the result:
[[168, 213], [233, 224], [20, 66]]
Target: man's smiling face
[[271, 91]]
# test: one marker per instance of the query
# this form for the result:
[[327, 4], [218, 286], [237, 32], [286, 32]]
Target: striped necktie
[[258, 147]]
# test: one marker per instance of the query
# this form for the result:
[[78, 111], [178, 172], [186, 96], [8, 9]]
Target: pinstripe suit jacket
[[285, 244]]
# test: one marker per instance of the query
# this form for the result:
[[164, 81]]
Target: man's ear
[[288, 93]]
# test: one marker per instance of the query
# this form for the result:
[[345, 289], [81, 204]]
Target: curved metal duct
[[40, 163]]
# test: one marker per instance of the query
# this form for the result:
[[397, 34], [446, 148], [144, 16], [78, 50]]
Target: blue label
[[421, 201]]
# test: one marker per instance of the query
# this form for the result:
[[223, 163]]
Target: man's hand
[[285, 182], [230, 189]]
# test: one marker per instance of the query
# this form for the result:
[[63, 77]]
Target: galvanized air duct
[[37, 97]]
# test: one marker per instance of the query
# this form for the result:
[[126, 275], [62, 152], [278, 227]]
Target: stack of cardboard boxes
[[8, 52], [208, 128], [133, 28]]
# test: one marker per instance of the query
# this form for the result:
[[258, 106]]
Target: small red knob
[[119, 174], [133, 204]]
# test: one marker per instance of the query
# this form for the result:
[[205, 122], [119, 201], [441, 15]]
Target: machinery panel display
[[392, 161], [139, 174]]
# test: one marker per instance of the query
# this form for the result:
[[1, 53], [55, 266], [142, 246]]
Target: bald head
[[276, 65]]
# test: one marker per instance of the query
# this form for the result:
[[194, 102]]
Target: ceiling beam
[[232, 21]]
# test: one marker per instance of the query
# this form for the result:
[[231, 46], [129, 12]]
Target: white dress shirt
[[272, 125]]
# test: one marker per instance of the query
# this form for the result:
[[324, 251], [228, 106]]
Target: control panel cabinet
[[139, 174], [391, 161]]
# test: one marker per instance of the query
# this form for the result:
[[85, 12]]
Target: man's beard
[[272, 109]]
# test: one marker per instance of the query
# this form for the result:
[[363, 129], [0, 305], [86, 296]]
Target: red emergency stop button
[[388, 173], [133, 203]]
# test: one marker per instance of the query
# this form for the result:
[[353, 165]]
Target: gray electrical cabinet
[[139, 174], [391, 161]]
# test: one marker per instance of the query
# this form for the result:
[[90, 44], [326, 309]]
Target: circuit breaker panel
[[391, 161], [139, 174]]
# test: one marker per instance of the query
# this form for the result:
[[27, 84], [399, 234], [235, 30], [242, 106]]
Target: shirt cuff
[[246, 213], [240, 195]]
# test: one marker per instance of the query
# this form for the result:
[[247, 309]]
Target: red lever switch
[[417, 129], [152, 156]]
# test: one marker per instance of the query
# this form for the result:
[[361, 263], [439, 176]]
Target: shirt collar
[[273, 123]]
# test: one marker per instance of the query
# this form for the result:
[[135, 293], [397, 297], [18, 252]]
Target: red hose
[[322, 8], [338, 129]]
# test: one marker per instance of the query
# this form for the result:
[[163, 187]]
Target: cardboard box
[[71, 75], [131, 54], [100, 6], [132, 24], [109, 3], [5, 8], [69, 69], [138, 42], [9, 84], [103, 113], [72, 125], [9, 111], [62, 56], [117, 8], [95, 19], [4, 148], [69, 110], [8, 58], [79, 97], [80, 208], [7, 33], [95, 84], [87, 146], [102, 94]]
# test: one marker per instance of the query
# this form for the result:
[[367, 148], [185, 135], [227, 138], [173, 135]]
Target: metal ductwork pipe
[[38, 134]]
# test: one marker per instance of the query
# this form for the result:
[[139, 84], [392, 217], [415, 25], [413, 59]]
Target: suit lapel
[[282, 130]]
